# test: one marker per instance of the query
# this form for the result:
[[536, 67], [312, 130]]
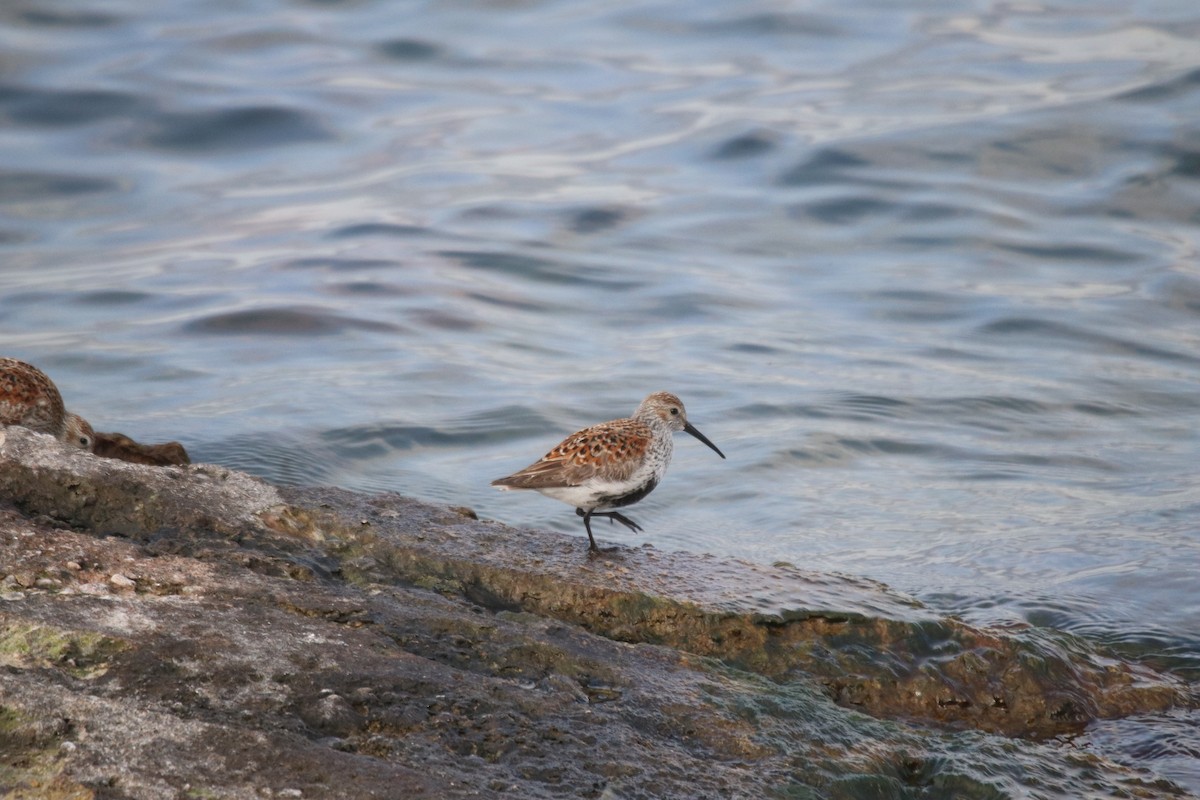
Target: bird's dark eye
[[674, 412]]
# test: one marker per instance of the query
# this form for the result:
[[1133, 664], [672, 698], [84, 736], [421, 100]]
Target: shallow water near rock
[[928, 276]]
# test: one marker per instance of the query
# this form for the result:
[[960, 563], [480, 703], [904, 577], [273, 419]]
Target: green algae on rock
[[84, 653]]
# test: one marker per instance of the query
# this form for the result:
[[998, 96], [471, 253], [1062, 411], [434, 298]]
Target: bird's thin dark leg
[[587, 525], [621, 518]]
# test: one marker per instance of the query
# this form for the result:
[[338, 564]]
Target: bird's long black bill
[[690, 429]]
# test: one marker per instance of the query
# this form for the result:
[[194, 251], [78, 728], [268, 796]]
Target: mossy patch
[[31, 761], [84, 654]]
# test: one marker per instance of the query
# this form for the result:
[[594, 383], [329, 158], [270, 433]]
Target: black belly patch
[[622, 500]]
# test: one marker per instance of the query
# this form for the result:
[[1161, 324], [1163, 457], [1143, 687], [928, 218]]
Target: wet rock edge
[[904, 664]]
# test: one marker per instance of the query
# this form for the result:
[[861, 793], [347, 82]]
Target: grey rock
[[271, 645]]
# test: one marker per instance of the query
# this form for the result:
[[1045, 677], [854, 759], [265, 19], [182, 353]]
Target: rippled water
[[927, 275]]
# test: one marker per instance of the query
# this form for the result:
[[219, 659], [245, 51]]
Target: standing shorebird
[[610, 465], [30, 399]]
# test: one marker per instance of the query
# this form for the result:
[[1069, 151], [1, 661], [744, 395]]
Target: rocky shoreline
[[192, 631]]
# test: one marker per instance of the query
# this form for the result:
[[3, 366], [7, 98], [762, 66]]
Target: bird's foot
[[614, 516], [593, 550]]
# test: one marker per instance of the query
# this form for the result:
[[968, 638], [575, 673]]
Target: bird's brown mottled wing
[[609, 451], [120, 446], [29, 398]]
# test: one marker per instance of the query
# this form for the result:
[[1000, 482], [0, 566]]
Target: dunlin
[[30, 399], [611, 465], [122, 448]]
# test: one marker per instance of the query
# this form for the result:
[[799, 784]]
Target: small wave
[[365, 229], [594, 220], [340, 264], [54, 18], [20, 187], [538, 269], [827, 165], [231, 129], [278, 457], [409, 50], [1179, 86], [1044, 332], [366, 289], [745, 145], [52, 108], [290, 321], [113, 297]]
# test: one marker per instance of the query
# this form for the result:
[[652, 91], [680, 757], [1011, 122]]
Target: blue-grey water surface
[[928, 273]]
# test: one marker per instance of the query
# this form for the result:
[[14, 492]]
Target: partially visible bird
[[122, 448], [30, 399], [610, 465]]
